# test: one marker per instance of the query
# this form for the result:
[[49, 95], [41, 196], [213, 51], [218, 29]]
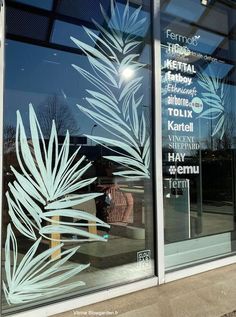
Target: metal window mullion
[[158, 142], [2, 65]]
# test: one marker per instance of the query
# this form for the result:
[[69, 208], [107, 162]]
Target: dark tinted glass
[[78, 208], [198, 88]]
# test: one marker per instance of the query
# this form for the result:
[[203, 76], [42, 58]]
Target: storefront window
[[198, 93], [77, 200]]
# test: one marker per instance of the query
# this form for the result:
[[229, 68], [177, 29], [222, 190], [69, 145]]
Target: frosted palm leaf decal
[[215, 96], [43, 187], [48, 176], [36, 276], [115, 104]]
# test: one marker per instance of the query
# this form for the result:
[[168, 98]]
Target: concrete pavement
[[209, 294]]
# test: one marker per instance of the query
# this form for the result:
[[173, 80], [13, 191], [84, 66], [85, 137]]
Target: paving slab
[[209, 294]]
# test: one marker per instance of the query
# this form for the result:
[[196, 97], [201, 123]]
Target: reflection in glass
[[198, 132], [77, 156], [45, 4], [30, 24], [79, 9], [62, 32]]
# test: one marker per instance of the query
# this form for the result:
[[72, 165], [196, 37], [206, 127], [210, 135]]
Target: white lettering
[[179, 66], [178, 78], [178, 183], [181, 38], [183, 170], [176, 157], [173, 88], [175, 101], [180, 113], [180, 126]]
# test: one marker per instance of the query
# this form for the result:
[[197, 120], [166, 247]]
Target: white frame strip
[[201, 268], [2, 65], [85, 300], [158, 143]]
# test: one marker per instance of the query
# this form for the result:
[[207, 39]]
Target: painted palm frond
[[45, 185], [115, 104], [37, 276], [216, 98]]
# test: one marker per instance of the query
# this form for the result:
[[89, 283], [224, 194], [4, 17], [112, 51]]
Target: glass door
[[199, 132]]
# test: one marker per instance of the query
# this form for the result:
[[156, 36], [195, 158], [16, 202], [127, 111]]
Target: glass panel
[[78, 203], [62, 32], [26, 24], [143, 16], [79, 9], [198, 89], [45, 4]]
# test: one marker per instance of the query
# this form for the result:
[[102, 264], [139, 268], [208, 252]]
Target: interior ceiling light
[[204, 2]]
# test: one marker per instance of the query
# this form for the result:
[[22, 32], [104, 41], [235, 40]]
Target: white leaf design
[[49, 176], [211, 113], [100, 85], [116, 104], [36, 276], [216, 98]]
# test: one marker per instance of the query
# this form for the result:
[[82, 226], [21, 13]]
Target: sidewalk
[[210, 294]]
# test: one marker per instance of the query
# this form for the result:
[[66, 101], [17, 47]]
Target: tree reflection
[[54, 108], [9, 134]]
